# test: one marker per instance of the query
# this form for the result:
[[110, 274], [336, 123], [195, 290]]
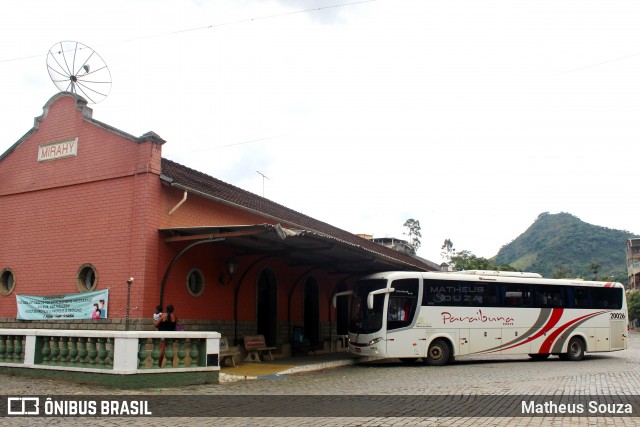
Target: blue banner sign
[[87, 305]]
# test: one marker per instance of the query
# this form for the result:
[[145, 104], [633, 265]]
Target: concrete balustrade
[[118, 358]]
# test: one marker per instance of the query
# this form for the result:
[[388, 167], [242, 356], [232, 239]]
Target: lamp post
[[126, 320], [232, 266]]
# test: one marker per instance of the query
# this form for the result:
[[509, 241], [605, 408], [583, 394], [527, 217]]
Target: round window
[[195, 282], [7, 281], [87, 278]]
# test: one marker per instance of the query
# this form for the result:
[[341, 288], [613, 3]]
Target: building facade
[[633, 263], [86, 206]]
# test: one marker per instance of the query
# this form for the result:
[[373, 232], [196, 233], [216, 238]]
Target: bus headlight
[[375, 341]]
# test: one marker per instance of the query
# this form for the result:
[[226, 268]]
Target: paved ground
[[505, 378]]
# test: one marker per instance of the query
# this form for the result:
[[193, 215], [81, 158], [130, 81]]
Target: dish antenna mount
[[76, 68]]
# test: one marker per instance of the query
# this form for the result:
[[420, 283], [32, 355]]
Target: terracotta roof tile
[[216, 188]]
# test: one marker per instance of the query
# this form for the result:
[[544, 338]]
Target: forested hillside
[[561, 245]]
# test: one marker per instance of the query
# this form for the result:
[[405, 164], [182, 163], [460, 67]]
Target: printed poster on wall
[[87, 305]]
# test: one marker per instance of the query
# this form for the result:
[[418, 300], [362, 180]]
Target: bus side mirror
[[378, 292], [340, 294]]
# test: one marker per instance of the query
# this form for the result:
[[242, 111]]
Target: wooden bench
[[226, 353], [257, 348]]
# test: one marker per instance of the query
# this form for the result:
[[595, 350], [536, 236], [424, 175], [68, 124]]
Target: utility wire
[[233, 144], [223, 24], [604, 62]]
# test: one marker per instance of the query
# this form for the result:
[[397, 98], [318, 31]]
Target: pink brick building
[[85, 206]]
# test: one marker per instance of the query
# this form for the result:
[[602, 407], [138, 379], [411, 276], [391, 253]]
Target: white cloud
[[472, 118]]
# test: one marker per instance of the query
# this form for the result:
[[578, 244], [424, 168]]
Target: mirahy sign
[[58, 150]]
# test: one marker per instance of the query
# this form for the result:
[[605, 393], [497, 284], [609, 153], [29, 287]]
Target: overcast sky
[[472, 117]]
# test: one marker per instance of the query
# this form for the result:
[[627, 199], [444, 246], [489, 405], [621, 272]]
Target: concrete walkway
[[292, 365]]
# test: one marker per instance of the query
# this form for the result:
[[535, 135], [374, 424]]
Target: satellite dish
[[76, 68]]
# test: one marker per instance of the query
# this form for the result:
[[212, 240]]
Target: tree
[[447, 250], [633, 305], [561, 272], [466, 260], [594, 267], [413, 232]]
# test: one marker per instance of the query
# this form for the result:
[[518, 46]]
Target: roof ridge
[[229, 193], [262, 198]]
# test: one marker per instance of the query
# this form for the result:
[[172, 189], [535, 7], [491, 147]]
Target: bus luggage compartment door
[[515, 342], [618, 334], [484, 339]]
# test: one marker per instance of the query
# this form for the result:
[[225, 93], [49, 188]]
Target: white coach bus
[[438, 316]]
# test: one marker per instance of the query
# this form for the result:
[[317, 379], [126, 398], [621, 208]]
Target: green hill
[[561, 245]]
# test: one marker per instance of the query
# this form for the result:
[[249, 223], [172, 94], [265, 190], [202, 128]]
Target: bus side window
[[541, 300], [513, 299], [581, 297], [549, 296], [555, 297], [615, 297], [516, 295], [407, 310], [526, 298], [607, 298], [402, 303]]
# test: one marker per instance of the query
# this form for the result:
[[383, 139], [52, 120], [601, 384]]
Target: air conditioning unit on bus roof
[[501, 273]]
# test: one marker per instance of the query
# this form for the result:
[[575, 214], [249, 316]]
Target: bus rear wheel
[[438, 353], [575, 350]]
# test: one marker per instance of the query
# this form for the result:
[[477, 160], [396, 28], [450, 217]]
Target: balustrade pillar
[[155, 353], [64, 351], [3, 347], [55, 350], [46, 349], [9, 349], [92, 352], [111, 343], [73, 351], [83, 351], [17, 350], [181, 352], [102, 352], [195, 352], [142, 353], [168, 354]]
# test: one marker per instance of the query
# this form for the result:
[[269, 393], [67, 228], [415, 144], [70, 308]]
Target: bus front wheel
[[438, 353], [575, 350]]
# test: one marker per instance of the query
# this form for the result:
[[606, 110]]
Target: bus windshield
[[363, 319]]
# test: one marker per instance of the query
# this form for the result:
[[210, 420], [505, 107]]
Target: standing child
[[157, 315]]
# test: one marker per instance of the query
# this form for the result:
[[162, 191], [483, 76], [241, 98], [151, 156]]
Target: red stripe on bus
[[546, 345], [556, 314]]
